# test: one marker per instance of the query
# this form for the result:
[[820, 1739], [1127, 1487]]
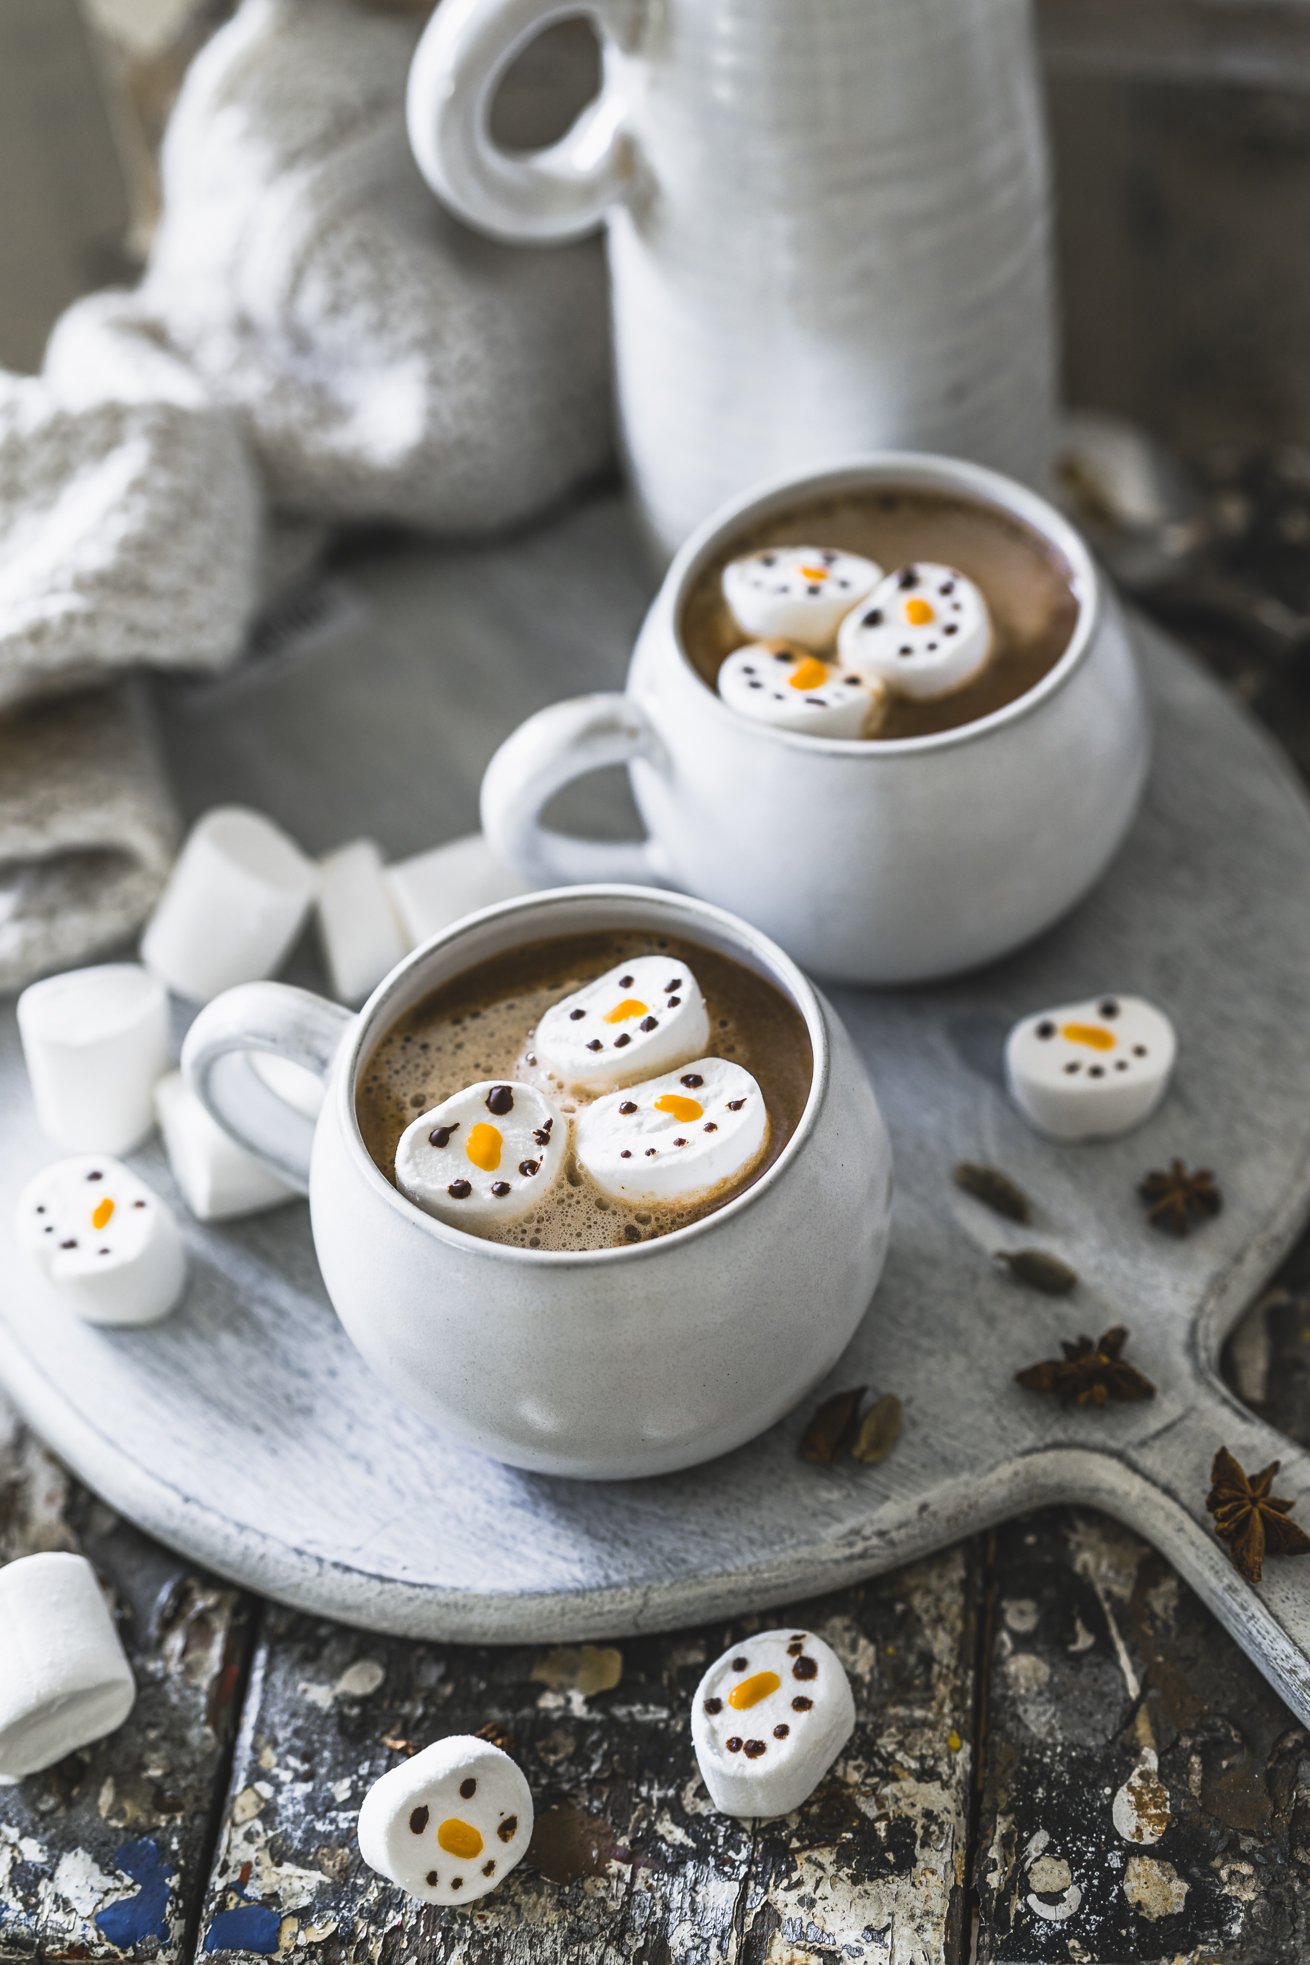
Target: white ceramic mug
[[601, 1364], [883, 862], [828, 225]]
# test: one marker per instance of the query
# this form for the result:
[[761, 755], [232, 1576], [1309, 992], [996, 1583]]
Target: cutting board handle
[[1158, 1487]]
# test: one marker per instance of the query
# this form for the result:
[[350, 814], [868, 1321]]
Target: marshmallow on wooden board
[[1090, 1070], [359, 928], [675, 1138], [800, 692], [796, 593], [104, 1240], [219, 1180], [642, 1016], [95, 1042], [433, 890], [768, 1720], [232, 905], [64, 1678], [925, 632], [450, 1824], [489, 1154]]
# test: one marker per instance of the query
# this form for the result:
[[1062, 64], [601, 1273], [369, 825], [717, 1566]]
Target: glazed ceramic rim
[[684, 915], [911, 470]]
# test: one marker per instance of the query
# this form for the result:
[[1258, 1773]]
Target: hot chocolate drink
[[587, 1092], [916, 612]]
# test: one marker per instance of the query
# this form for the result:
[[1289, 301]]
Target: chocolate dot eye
[[529, 1167], [907, 578], [950, 629], [754, 1748], [873, 619], [489, 1869], [623, 1040], [1046, 1030], [440, 1135], [649, 1023], [468, 1788], [801, 1705], [905, 651], [734, 1744], [500, 1188], [418, 1820], [740, 1664], [709, 1127], [692, 1079], [714, 1706], [781, 1732], [457, 1883], [626, 1154], [500, 1100], [675, 1000], [1139, 1050], [625, 982], [575, 1014], [97, 1175], [736, 1104], [432, 1879], [508, 1828], [459, 1190], [628, 1105], [595, 1044], [947, 587], [677, 980], [805, 1668], [1109, 1008]]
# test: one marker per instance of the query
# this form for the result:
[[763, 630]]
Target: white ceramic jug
[[828, 225]]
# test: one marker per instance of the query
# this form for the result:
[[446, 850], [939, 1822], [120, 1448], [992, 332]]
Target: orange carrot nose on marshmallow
[[918, 613], [814, 572], [1094, 1035], [809, 674]]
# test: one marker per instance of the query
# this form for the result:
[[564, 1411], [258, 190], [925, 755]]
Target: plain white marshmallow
[[1090, 1070], [490, 1154], [64, 1678], [104, 1240], [797, 593], [673, 1138], [642, 1016], [359, 929], [433, 890], [232, 906], [451, 1823], [925, 632], [768, 1720], [219, 1180], [800, 692], [95, 1042]]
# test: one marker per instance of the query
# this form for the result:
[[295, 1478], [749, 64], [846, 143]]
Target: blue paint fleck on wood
[[145, 1915], [245, 1927]]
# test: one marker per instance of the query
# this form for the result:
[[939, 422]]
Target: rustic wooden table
[[1061, 1757]]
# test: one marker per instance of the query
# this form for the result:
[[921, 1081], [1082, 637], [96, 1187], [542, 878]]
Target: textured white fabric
[[387, 363]]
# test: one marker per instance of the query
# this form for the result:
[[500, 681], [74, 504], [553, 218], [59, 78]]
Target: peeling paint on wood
[[103, 1856], [628, 1863]]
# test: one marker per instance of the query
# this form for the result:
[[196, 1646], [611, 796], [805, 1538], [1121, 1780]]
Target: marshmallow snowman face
[[799, 692], [488, 1155], [797, 593], [674, 1138], [104, 1239], [925, 632], [450, 1824], [1090, 1070], [768, 1720], [642, 1016]]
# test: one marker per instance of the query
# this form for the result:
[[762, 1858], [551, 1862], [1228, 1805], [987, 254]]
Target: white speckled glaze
[[828, 225], [608, 1363], [889, 862]]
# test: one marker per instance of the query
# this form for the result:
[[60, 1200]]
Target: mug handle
[[560, 743], [533, 197], [218, 1064]]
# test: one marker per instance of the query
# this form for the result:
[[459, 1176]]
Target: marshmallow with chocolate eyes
[[768, 1720], [797, 593], [642, 1016], [488, 1155], [450, 1824], [1090, 1070], [104, 1239], [799, 692], [925, 631], [674, 1138]]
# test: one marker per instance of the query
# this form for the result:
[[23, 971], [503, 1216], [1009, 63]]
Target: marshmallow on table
[[488, 1155], [95, 1042], [768, 1720], [433, 890], [642, 1016], [104, 1239], [358, 925], [925, 632], [232, 906], [64, 1679], [219, 1179], [800, 692], [673, 1138], [450, 1824], [1089, 1070], [796, 593]]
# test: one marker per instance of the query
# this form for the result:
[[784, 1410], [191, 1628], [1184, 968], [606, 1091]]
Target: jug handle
[[532, 197]]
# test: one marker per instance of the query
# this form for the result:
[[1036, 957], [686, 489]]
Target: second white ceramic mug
[[885, 862]]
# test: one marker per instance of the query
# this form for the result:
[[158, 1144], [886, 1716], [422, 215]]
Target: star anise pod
[[1252, 1521], [832, 1427], [1089, 1374], [1178, 1201]]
